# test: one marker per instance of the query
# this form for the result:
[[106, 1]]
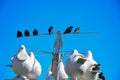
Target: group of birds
[[50, 31], [26, 33], [77, 66], [67, 31]]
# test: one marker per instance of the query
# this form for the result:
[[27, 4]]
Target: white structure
[[20, 77], [57, 70], [87, 67], [72, 65], [80, 67], [61, 74], [77, 66], [49, 75], [36, 69], [24, 64]]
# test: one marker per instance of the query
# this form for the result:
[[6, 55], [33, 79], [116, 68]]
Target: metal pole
[[56, 55]]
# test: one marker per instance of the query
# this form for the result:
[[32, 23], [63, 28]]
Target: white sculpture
[[20, 77], [49, 75], [36, 69], [24, 64], [72, 65], [21, 62], [80, 67], [56, 71], [61, 71], [87, 67]]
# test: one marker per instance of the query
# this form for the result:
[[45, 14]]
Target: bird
[[101, 76], [50, 30], [77, 30], [68, 30], [26, 33], [19, 34], [35, 32]]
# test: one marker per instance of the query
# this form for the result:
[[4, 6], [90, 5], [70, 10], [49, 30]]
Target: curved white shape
[[72, 65], [89, 55], [20, 78], [21, 62], [49, 75], [87, 67], [36, 68], [61, 71], [22, 54], [77, 69]]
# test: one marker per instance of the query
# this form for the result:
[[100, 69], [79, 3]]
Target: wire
[[62, 33]]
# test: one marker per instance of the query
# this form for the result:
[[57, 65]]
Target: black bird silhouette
[[101, 76], [50, 30], [35, 32], [26, 33], [68, 30], [77, 30], [19, 34]]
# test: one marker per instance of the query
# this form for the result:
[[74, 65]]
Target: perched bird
[[101, 76], [77, 30], [50, 30], [35, 32], [68, 30], [26, 33], [19, 34]]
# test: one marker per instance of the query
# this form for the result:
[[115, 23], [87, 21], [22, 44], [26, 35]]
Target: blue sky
[[101, 16]]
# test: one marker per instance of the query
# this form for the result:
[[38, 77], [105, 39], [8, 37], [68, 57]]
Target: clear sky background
[[101, 16]]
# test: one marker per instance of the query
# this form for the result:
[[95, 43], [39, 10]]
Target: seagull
[[19, 34], [77, 30], [101, 76], [68, 30], [26, 33], [35, 32], [50, 30]]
